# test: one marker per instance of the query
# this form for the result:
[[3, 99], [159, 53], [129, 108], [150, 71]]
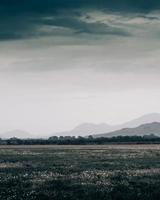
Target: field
[[107, 172]]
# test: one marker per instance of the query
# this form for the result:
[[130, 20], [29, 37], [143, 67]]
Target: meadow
[[76, 172]]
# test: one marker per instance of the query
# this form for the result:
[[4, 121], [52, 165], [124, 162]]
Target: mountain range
[[96, 129], [144, 129], [101, 129]]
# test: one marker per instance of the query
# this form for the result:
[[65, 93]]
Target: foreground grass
[[114, 172]]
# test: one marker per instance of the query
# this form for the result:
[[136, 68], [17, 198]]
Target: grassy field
[[107, 172]]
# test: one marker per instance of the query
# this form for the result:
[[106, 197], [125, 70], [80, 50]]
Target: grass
[[107, 172]]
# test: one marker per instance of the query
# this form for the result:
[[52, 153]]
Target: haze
[[62, 64]]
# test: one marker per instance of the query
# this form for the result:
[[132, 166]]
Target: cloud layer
[[23, 19]]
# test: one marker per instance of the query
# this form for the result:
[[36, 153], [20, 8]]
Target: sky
[[66, 62]]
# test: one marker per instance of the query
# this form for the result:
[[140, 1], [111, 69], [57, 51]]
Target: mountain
[[87, 129], [16, 133], [93, 129], [145, 119], [145, 129]]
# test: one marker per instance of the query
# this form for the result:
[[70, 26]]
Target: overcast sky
[[65, 62]]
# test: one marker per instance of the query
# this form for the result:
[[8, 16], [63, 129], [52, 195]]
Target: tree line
[[90, 140]]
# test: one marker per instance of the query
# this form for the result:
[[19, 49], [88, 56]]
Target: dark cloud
[[79, 26], [23, 18], [48, 5]]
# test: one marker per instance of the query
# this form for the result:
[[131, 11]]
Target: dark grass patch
[[80, 173]]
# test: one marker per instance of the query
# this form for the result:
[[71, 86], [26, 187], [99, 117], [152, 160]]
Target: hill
[[145, 129], [93, 129], [16, 133]]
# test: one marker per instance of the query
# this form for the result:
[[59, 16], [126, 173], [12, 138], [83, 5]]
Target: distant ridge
[[148, 118], [145, 129], [16, 133], [86, 129], [93, 129]]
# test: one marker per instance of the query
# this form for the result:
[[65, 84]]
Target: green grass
[[113, 172]]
